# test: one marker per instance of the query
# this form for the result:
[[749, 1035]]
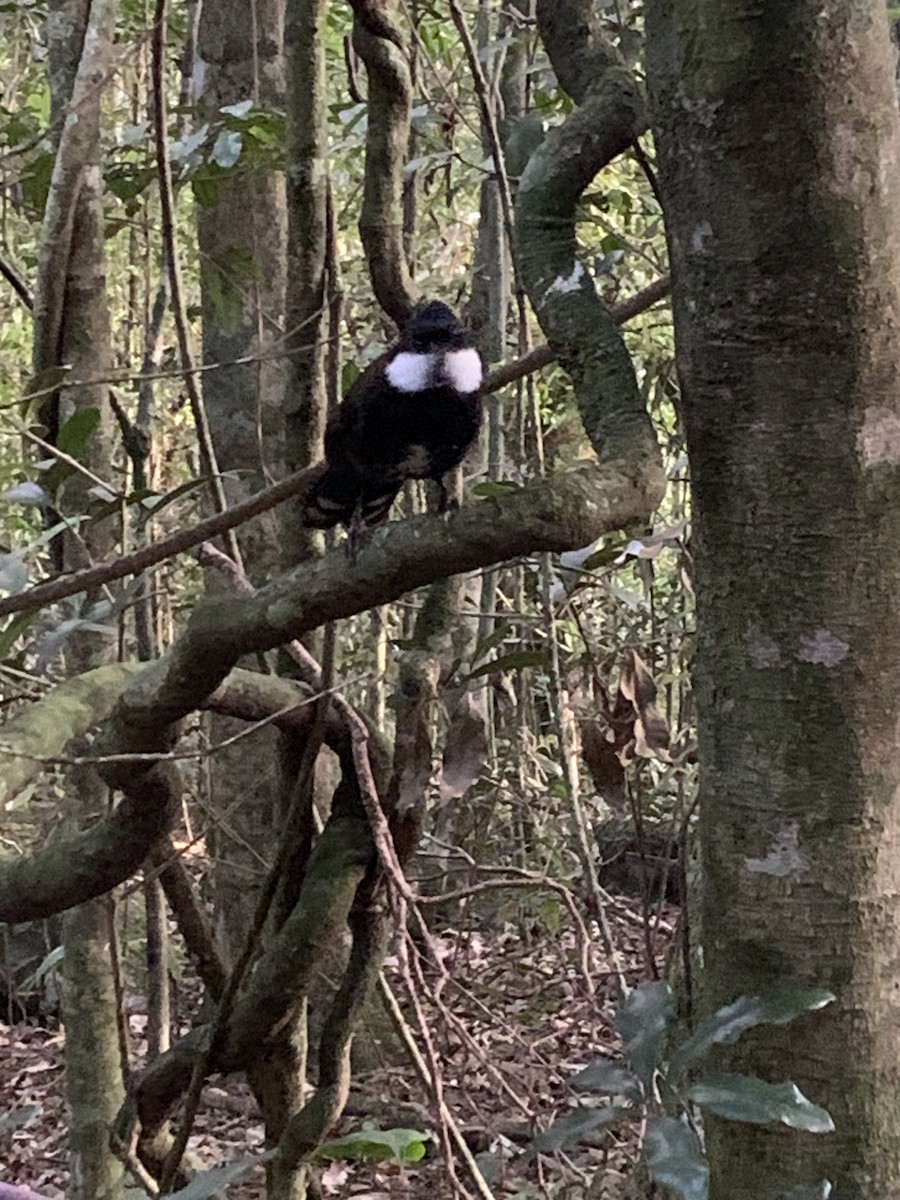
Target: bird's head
[[434, 326]]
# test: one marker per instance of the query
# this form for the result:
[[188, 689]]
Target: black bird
[[411, 415]]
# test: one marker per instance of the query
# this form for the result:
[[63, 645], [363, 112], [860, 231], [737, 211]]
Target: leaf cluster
[[654, 1079]]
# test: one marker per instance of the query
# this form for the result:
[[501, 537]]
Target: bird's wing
[[346, 430]]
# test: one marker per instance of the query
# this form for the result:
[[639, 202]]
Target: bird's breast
[[416, 371], [462, 370], [417, 462], [409, 371]]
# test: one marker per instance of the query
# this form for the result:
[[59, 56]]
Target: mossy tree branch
[[551, 515], [380, 45], [576, 323]]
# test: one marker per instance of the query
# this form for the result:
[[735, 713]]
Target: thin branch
[[541, 356], [187, 539], [176, 543], [61, 456], [167, 207], [189, 916], [403, 1031], [482, 91], [17, 283]]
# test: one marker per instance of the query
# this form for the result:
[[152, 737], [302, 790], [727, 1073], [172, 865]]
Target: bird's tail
[[337, 495]]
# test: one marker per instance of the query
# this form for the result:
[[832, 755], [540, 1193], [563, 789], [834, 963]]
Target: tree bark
[[242, 241], [778, 142], [72, 327], [305, 400]]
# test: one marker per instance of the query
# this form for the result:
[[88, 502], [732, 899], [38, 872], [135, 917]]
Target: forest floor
[[512, 1014]]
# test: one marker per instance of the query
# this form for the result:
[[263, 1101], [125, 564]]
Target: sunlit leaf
[[186, 148], [13, 574], [779, 1006], [131, 135], [396, 1145], [20, 1118], [227, 148], [746, 1098], [103, 494], [237, 110]]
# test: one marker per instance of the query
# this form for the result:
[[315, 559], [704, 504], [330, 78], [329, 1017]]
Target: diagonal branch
[[186, 539], [176, 543], [552, 514]]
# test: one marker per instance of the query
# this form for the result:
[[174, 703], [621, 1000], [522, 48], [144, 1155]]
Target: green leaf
[[210, 1183], [746, 1098], [398, 1145], [154, 502], [641, 1020], [674, 1158], [496, 487], [574, 1126], [514, 661], [206, 186], [74, 434], [779, 1006], [606, 1078], [491, 641], [350, 372], [601, 557], [35, 183]]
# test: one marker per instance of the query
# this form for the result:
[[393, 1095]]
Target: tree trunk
[[305, 398], [242, 241], [777, 134], [72, 326]]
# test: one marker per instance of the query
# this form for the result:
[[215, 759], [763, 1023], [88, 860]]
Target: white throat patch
[[463, 370], [410, 372]]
